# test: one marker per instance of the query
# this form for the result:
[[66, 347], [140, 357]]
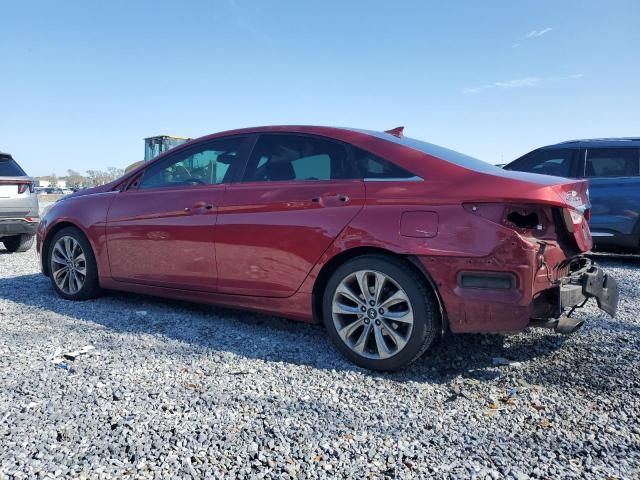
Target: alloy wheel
[[68, 265], [372, 314]]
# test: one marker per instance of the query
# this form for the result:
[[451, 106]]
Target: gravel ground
[[178, 390]]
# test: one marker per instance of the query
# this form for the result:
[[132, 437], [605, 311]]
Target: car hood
[[90, 191]]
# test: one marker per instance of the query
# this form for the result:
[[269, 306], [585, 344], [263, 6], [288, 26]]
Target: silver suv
[[19, 216]]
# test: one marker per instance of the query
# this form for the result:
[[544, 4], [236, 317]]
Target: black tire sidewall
[[425, 313], [91, 287], [18, 243]]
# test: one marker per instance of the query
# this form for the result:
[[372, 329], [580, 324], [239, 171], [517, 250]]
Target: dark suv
[[613, 168], [18, 206]]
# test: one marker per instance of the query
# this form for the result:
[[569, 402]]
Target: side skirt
[[295, 307]]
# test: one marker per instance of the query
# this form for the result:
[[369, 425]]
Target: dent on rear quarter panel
[[89, 214], [458, 241]]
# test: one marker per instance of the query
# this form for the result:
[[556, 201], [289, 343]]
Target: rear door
[[294, 199], [161, 228], [614, 187]]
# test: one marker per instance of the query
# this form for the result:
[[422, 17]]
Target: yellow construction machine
[[154, 146]]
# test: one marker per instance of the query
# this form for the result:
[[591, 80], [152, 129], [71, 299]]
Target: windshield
[[9, 167]]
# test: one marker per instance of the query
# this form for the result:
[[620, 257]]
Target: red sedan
[[387, 240]]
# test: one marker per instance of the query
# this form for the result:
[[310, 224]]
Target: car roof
[[597, 142], [376, 142]]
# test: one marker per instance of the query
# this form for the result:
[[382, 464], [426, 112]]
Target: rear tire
[[380, 313], [72, 265], [18, 243]]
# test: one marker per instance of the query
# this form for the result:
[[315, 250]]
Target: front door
[[161, 230], [293, 201]]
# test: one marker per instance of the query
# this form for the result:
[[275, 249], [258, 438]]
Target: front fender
[[87, 213]]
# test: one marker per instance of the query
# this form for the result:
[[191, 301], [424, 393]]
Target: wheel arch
[[334, 262], [46, 243]]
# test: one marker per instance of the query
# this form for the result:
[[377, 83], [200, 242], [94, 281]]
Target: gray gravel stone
[[197, 391]]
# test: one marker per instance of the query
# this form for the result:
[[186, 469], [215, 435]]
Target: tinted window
[[204, 165], [295, 157], [611, 162], [548, 162], [443, 153], [371, 166], [9, 168]]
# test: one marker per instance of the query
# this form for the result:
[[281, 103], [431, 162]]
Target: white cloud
[[521, 82], [515, 45], [518, 82], [538, 33]]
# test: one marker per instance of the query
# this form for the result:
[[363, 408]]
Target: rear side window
[[611, 162], [277, 158], [559, 163], [372, 167], [10, 168]]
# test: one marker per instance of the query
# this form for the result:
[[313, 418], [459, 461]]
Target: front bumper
[[18, 226]]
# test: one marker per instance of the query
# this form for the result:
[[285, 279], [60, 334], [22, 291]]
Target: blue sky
[[83, 83]]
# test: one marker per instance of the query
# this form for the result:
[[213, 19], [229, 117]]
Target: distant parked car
[[388, 240], [19, 215], [612, 166]]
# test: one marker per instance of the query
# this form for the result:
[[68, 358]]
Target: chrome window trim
[[601, 234], [401, 179]]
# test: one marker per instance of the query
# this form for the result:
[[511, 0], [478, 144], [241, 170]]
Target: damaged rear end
[[554, 221], [577, 278]]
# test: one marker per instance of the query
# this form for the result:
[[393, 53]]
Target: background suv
[[613, 169], [18, 206]]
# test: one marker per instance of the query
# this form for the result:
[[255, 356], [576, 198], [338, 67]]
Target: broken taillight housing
[[522, 217], [22, 187], [572, 217]]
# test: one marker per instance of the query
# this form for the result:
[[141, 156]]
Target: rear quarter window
[[372, 167], [442, 153], [10, 168]]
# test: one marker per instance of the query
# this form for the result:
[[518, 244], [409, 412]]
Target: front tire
[[18, 243], [72, 265], [380, 313]]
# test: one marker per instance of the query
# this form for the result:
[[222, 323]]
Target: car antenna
[[396, 132]]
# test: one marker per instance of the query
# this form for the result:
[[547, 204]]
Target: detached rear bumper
[[593, 283], [574, 290], [18, 226]]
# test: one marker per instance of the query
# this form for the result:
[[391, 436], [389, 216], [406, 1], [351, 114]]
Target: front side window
[[547, 162], [278, 158], [611, 162], [208, 164]]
